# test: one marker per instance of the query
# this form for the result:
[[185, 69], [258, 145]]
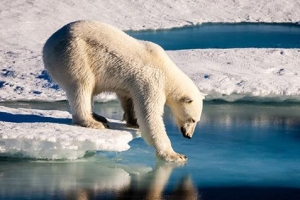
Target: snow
[[27, 24], [243, 74], [229, 74]]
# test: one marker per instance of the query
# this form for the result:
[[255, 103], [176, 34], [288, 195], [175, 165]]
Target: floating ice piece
[[48, 134]]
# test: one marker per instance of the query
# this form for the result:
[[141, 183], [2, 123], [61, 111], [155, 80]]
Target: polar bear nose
[[184, 133], [187, 136]]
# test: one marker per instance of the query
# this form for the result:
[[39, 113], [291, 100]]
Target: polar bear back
[[106, 49], [104, 55]]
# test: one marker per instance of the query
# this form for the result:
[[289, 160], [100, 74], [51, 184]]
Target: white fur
[[86, 58]]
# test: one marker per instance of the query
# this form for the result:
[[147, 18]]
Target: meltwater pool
[[224, 35]]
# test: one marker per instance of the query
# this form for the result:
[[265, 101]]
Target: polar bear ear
[[186, 100]]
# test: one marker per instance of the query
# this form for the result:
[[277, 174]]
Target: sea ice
[[42, 134]]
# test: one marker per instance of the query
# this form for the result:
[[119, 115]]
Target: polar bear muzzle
[[183, 131], [187, 130]]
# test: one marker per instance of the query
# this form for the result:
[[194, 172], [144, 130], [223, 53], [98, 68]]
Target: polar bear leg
[[80, 100], [129, 114], [150, 120]]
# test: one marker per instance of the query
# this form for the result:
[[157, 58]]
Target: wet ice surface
[[239, 151]]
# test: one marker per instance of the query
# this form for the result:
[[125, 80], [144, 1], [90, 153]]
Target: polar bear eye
[[186, 100]]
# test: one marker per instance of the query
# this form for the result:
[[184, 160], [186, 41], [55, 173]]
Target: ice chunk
[[48, 134]]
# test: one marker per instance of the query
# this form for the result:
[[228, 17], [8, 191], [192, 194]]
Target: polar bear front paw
[[173, 157]]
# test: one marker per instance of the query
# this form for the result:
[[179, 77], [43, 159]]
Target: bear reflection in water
[[150, 186]]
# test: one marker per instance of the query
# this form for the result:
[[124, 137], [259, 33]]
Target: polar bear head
[[187, 110]]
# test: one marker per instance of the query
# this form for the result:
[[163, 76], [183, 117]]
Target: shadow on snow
[[31, 118]]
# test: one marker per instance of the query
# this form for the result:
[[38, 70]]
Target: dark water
[[239, 151], [210, 35]]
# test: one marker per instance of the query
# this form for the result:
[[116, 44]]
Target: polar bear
[[87, 58]]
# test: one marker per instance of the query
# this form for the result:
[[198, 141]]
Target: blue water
[[239, 151], [215, 35]]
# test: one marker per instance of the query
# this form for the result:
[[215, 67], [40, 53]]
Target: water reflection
[[84, 180], [240, 114], [152, 185], [57, 179]]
